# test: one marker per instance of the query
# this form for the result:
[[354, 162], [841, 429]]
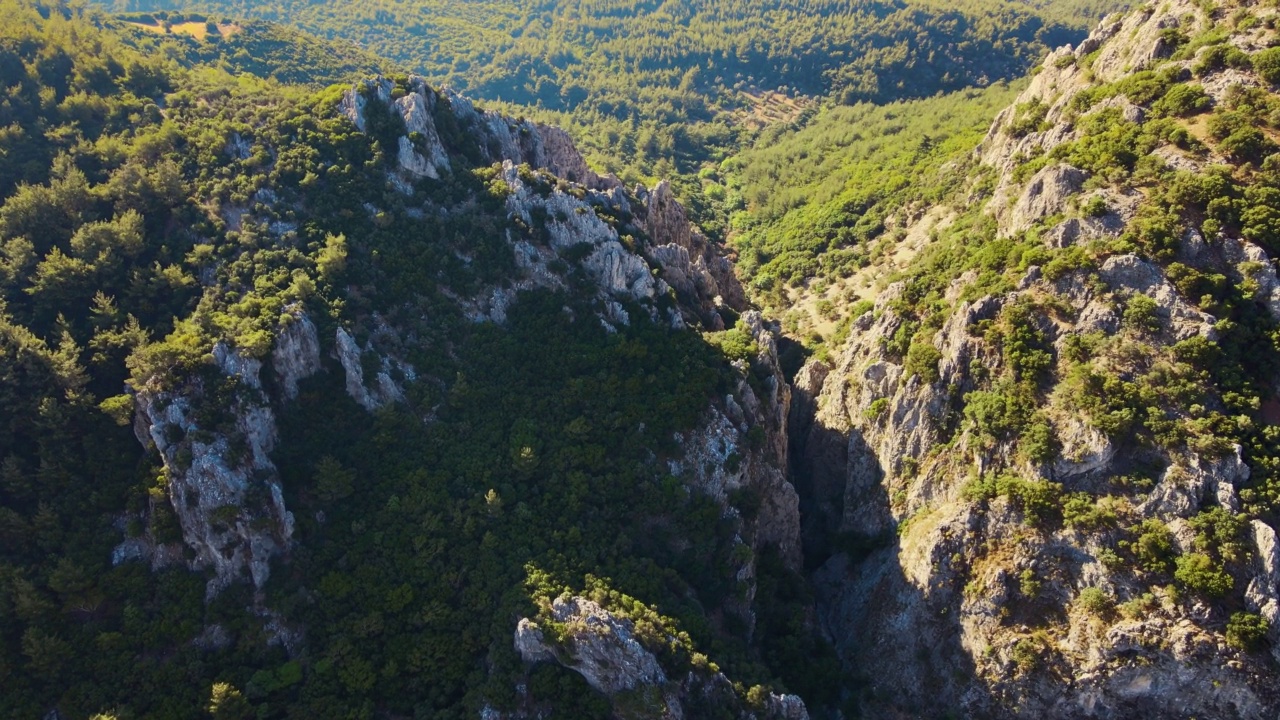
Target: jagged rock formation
[[742, 447], [603, 648], [952, 597], [220, 480], [691, 264], [384, 388], [633, 254]]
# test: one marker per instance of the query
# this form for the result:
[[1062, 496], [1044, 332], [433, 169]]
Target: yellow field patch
[[197, 30]]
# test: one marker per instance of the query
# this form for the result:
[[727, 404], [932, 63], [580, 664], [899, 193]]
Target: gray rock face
[[1250, 262], [370, 393], [415, 109], [297, 353], [570, 222], [720, 458], [223, 486], [1263, 593], [690, 263], [1046, 194], [947, 591], [224, 490], [701, 277], [1124, 44], [1186, 487], [525, 142], [355, 100], [602, 647], [1131, 274]]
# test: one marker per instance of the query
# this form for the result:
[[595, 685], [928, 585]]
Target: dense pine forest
[[655, 89]]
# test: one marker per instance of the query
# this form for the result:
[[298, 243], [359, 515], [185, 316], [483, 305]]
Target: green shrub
[[1142, 313], [1028, 585], [1182, 100], [922, 359], [1267, 64], [1096, 206], [1027, 654], [1220, 57], [1085, 512], [1220, 531], [1246, 631], [1139, 607], [876, 409], [1153, 546], [1095, 601], [1198, 572], [994, 414], [1028, 118], [1039, 500], [1039, 442]]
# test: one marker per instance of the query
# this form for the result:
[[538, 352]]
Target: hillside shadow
[[897, 638]]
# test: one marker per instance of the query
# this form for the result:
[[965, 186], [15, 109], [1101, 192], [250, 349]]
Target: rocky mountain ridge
[[225, 491], [986, 531]]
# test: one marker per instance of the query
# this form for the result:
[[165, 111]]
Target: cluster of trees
[[526, 457], [255, 47]]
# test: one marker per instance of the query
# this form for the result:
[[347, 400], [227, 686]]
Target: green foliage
[[134, 241], [1027, 654], [736, 343], [816, 195], [1039, 442], [1182, 100], [1095, 207], [1152, 546], [1141, 314], [922, 359], [228, 703], [1028, 118], [1088, 513], [877, 408], [1095, 601], [1198, 572], [1267, 64], [651, 88], [1247, 631], [332, 481], [1220, 57], [1039, 500], [1028, 585]]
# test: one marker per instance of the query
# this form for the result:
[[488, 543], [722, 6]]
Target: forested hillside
[[260, 48], [1046, 439], [815, 207], [653, 88], [337, 402]]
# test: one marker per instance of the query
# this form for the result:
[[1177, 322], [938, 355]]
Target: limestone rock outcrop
[[687, 262], [939, 577], [603, 648]]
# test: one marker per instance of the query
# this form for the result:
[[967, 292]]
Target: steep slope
[[1038, 478], [368, 402]]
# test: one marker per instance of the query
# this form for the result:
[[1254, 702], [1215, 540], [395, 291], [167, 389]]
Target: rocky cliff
[[626, 255], [1018, 476], [214, 435]]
